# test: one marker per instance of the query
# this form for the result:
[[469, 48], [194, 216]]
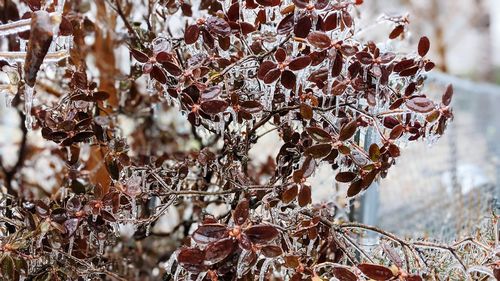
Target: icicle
[[70, 246], [264, 268], [28, 104], [133, 206], [240, 267], [177, 273], [310, 246], [171, 260], [148, 229], [101, 247], [63, 193]]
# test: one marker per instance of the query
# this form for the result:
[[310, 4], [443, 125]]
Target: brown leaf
[[299, 63], [302, 27], [288, 79], [375, 271], [306, 111], [191, 34], [271, 251], [290, 194], [420, 104], [213, 107], [217, 251], [345, 176], [272, 76], [241, 212], [423, 46], [343, 274], [348, 130], [139, 56], [319, 134], [304, 195], [207, 233], [396, 32], [448, 95], [319, 150], [319, 39], [190, 256], [261, 233]]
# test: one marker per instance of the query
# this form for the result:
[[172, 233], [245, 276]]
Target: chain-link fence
[[446, 189]]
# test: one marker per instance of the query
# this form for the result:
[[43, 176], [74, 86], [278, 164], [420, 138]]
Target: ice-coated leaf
[[217, 251], [262, 233], [214, 106], [191, 34], [207, 233], [376, 272], [319, 39], [420, 104], [241, 212]]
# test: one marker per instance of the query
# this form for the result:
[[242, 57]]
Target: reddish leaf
[[213, 106], [158, 74], [299, 63], [288, 79], [319, 134], [354, 188], [191, 256], [286, 25], [272, 76], [364, 57], [337, 65], [423, 46], [420, 104], [264, 68], [302, 27], [448, 95], [348, 130], [375, 271], [280, 55], [343, 274], [271, 251], [330, 23], [319, 150], [219, 250], [304, 195], [290, 194], [191, 34], [172, 68], [139, 56], [209, 232], [306, 111], [396, 32], [251, 106], [218, 26], [319, 40], [261, 233], [345, 176], [241, 212]]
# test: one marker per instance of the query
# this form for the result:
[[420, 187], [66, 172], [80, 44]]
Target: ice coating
[[39, 43]]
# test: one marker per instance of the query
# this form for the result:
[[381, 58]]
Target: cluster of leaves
[[239, 71]]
